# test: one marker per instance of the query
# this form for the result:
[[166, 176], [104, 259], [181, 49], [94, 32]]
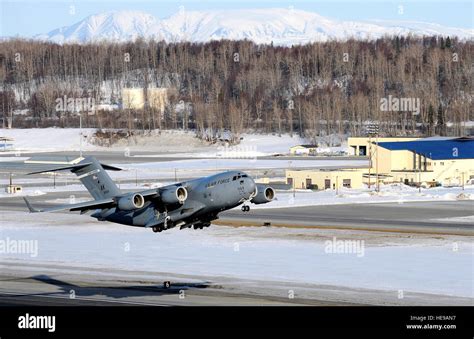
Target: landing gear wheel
[[245, 208], [156, 229]]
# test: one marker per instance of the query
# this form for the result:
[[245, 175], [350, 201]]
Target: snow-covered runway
[[439, 264]]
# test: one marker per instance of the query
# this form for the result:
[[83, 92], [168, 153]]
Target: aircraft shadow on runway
[[116, 292]]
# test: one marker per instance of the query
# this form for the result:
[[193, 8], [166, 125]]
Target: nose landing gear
[[245, 208]]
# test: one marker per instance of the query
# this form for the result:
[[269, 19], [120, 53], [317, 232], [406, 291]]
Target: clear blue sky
[[29, 17]]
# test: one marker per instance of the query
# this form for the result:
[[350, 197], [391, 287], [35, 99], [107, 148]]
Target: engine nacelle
[[174, 195], [263, 194], [131, 202]]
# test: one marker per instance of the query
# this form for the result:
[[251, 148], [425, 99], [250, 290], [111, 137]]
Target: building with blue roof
[[427, 161]]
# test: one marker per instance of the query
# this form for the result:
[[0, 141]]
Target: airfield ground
[[417, 248]]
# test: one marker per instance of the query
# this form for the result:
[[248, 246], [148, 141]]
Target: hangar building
[[443, 160], [447, 161]]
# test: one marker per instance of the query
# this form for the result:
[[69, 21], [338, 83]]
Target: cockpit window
[[234, 178], [245, 176]]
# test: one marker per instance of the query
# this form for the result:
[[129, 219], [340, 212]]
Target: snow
[[249, 147], [166, 143], [282, 26], [49, 139], [269, 254], [467, 219], [7, 159]]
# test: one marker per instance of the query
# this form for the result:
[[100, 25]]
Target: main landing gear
[[167, 224], [245, 208], [201, 225]]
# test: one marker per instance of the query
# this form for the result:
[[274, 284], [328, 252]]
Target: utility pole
[[419, 173], [377, 160], [80, 135], [370, 157]]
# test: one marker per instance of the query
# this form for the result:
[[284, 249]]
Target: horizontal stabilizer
[[110, 168], [75, 168], [63, 168]]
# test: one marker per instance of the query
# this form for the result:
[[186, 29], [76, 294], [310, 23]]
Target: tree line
[[314, 89]]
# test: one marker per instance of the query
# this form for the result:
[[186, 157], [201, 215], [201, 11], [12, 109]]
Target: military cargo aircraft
[[194, 203]]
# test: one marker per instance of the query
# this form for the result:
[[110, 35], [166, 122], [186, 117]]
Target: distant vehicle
[[193, 203]]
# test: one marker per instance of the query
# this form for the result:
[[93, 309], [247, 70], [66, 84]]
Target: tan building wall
[[325, 179], [158, 98], [446, 172], [391, 160], [359, 144], [134, 98]]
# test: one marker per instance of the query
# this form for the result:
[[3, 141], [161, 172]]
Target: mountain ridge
[[264, 26]]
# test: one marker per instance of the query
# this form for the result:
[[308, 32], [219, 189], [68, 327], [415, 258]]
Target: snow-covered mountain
[[280, 26]]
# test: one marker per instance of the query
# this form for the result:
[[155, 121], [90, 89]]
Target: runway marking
[[388, 229], [21, 294]]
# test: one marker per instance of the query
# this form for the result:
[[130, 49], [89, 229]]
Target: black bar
[[75, 320]]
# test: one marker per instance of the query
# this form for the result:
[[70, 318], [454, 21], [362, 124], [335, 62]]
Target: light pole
[[373, 130]]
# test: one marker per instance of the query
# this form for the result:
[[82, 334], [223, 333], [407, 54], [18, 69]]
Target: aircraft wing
[[154, 193], [150, 194], [82, 206]]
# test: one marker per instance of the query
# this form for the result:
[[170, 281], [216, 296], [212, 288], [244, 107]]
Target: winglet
[[31, 208]]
